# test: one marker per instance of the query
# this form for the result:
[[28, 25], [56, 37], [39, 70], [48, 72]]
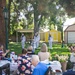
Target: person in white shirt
[[50, 38], [23, 40], [44, 54], [36, 39]]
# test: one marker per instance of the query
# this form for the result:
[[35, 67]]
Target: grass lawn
[[16, 47]]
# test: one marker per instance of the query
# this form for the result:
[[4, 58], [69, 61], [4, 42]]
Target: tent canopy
[[25, 30]]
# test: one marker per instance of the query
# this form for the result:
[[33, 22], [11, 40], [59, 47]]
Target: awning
[[25, 30]]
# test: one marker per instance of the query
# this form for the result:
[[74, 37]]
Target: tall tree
[[35, 10], [40, 10], [2, 24]]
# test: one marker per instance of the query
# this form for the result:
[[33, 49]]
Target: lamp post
[[5, 13], [62, 38]]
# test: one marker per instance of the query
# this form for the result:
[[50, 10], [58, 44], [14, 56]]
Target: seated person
[[43, 54], [40, 68], [24, 64], [29, 51], [72, 57], [2, 54], [72, 48], [72, 60]]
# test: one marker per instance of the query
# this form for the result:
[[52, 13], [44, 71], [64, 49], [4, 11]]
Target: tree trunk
[[2, 25], [37, 20], [36, 27]]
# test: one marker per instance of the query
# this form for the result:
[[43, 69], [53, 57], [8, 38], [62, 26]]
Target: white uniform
[[23, 39], [50, 42], [36, 41]]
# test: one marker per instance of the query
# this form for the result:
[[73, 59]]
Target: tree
[[2, 24], [69, 6], [41, 12]]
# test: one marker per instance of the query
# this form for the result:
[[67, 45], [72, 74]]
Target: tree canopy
[[39, 13], [69, 6]]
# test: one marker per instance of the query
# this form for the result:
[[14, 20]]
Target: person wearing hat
[[30, 51]]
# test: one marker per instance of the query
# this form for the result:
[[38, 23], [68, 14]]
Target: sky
[[68, 22]]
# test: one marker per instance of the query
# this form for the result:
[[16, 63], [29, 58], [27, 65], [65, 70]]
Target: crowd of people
[[31, 64], [28, 60]]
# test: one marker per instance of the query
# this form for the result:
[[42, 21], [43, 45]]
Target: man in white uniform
[[23, 40], [36, 39], [50, 41]]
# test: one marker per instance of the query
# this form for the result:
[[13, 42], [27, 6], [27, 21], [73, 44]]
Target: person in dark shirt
[[24, 64]]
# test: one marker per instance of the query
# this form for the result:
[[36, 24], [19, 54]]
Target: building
[[55, 34], [69, 34]]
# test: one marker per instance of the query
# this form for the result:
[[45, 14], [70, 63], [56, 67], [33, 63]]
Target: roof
[[70, 28], [27, 30]]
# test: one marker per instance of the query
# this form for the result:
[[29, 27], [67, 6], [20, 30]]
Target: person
[[36, 39], [33, 44], [23, 40], [50, 41], [72, 60], [40, 68], [24, 64], [72, 48], [30, 51], [72, 56], [43, 54], [2, 53]]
